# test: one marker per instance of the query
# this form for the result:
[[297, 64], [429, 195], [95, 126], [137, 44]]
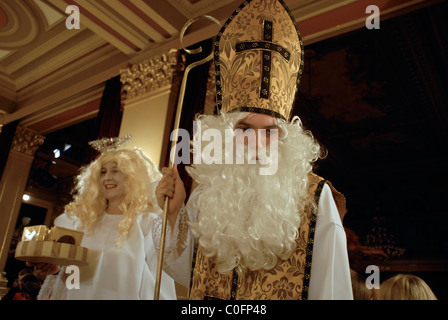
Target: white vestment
[[127, 271], [330, 269]]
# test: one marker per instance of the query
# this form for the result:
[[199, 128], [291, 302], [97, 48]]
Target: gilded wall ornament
[[151, 74], [26, 141]]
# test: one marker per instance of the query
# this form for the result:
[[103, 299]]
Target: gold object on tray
[[59, 246]]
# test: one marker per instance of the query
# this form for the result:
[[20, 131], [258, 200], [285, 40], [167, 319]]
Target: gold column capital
[[26, 141]]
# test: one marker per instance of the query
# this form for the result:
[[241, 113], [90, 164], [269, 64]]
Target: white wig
[[247, 220]]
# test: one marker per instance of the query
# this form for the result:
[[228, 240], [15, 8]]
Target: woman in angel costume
[[114, 205], [273, 236]]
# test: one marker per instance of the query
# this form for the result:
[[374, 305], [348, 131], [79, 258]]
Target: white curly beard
[[247, 220]]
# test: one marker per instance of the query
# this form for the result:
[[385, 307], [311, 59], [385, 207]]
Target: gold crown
[[106, 144], [259, 59]]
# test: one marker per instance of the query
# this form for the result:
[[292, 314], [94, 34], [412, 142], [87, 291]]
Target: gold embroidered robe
[[288, 280]]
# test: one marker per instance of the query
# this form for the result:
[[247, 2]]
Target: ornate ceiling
[[51, 76]]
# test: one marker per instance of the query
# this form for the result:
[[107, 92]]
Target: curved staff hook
[[174, 139]]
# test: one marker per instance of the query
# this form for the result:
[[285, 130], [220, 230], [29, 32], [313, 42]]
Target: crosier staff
[[174, 140]]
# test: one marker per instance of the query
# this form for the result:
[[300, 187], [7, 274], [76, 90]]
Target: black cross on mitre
[[267, 47]]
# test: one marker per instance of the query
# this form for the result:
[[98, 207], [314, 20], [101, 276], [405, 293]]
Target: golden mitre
[[259, 59]]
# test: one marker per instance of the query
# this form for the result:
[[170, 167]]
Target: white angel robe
[[127, 271]]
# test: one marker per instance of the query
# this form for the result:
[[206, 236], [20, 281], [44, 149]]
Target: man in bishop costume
[[276, 235]]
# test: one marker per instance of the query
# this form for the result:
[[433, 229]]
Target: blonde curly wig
[[89, 203]]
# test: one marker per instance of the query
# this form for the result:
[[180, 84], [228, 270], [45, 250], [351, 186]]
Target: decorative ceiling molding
[[42, 63], [52, 16], [38, 51], [22, 26], [191, 8], [69, 110], [159, 23]]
